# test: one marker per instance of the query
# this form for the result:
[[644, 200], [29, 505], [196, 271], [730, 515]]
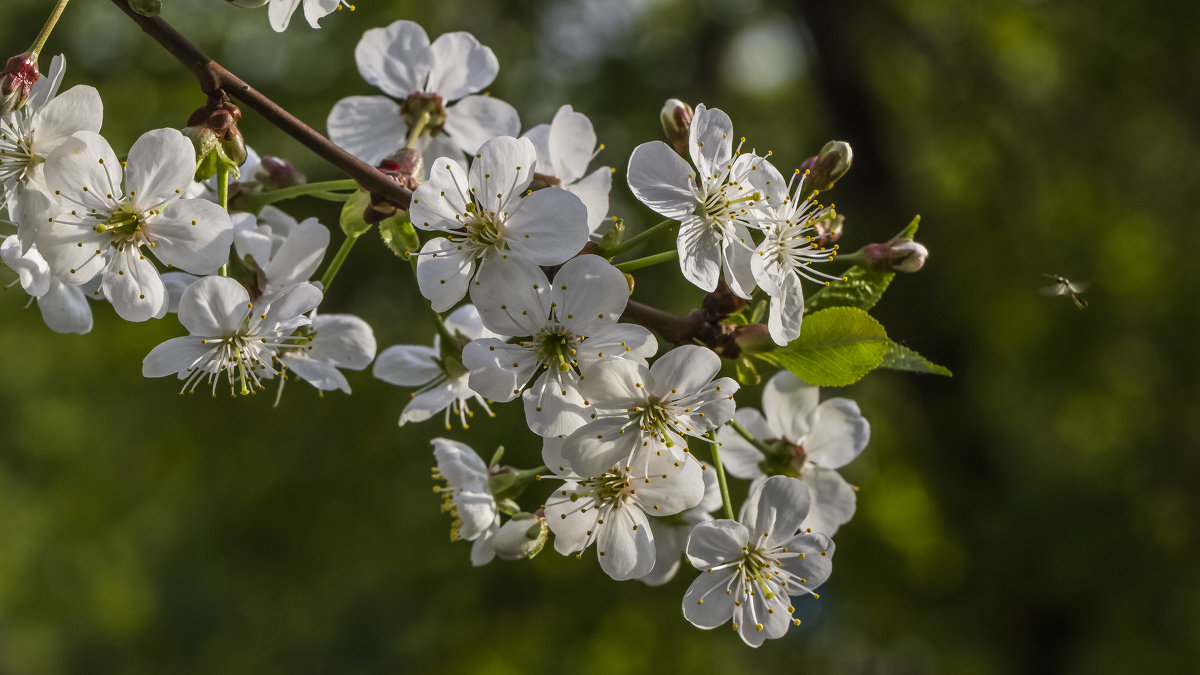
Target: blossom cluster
[[513, 248]]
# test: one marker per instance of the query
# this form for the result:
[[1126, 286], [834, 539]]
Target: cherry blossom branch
[[212, 76]]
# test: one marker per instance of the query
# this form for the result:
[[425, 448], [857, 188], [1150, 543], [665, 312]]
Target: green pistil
[[555, 349]]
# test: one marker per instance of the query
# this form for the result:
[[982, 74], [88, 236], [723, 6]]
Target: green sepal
[[400, 237], [612, 238], [747, 374], [899, 357], [508, 507], [836, 347], [352, 222]]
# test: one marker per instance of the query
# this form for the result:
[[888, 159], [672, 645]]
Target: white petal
[[160, 165], [176, 283], [174, 356], [290, 303], [47, 86], [368, 127], [441, 203], [787, 311], [572, 526], [616, 384], [444, 272], [572, 140], [669, 485], [75, 252], [817, 563], [213, 306], [397, 59], [625, 340], [251, 240], [549, 228], [593, 192], [711, 140], [834, 501], [553, 405], [502, 169], [76, 109], [512, 295], [133, 287], [661, 179], [482, 550], [837, 433], [705, 603], [787, 400], [467, 322], [31, 268], [34, 208], [475, 119], [193, 235], [625, 544], [739, 275], [776, 506], [428, 403], [85, 160], [741, 459], [407, 365], [598, 446], [65, 309], [323, 376], [280, 13], [540, 137], [343, 340], [300, 255], [493, 373], [461, 66], [315, 10], [700, 253], [716, 543], [589, 290], [689, 369]]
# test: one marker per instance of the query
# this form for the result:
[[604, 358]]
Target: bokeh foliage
[[1037, 513]]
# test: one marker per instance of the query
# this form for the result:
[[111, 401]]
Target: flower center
[[417, 105]]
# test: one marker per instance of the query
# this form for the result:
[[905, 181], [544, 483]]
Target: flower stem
[[40, 40], [223, 200], [336, 263], [716, 457], [641, 237], [750, 438], [255, 202], [417, 129], [649, 260]]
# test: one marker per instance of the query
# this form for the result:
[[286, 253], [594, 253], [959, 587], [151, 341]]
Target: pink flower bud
[[907, 255], [676, 118], [827, 166], [16, 81]]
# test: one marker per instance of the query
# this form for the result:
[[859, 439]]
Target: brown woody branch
[[213, 77]]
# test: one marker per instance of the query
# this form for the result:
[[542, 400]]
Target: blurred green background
[[1036, 513]]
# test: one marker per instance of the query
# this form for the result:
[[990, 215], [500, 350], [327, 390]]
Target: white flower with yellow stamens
[[611, 508], [467, 496], [565, 147], [231, 336], [565, 326], [108, 216], [486, 218], [751, 567], [717, 203], [643, 411]]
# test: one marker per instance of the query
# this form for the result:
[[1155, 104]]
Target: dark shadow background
[[1036, 513]]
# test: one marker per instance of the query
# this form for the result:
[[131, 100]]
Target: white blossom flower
[[610, 508], [283, 251], [520, 537], [716, 203], [485, 218], [434, 79], [671, 532], [467, 497], [29, 135], [565, 147], [810, 441], [643, 411], [751, 567], [109, 216], [566, 325], [785, 257], [232, 336], [64, 308], [335, 341], [442, 382], [280, 12]]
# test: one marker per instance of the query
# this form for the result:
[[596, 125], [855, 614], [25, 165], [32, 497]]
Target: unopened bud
[[829, 229], [520, 538], [827, 166], [213, 129], [274, 173], [901, 254], [676, 117], [404, 166], [16, 81], [907, 255]]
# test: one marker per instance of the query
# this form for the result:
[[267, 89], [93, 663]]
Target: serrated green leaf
[[899, 357], [836, 347], [862, 288], [910, 230], [400, 236]]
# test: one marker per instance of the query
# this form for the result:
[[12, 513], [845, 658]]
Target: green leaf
[[862, 288], [836, 347], [747, 374], [352, 221], [400, 236], [899, 357], [910, 230]]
